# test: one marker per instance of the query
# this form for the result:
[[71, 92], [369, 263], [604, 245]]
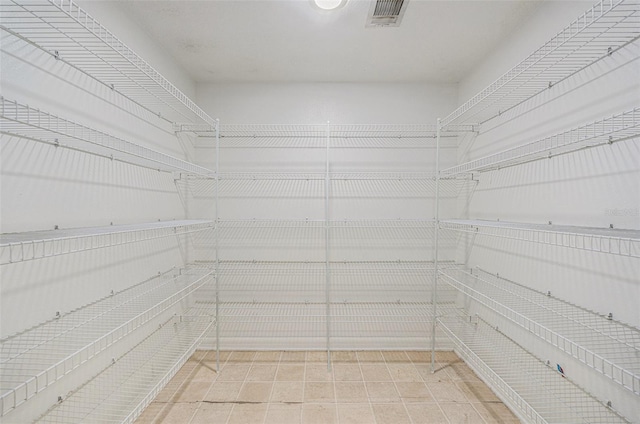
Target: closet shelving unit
[[316, 292], [36, 359], [65, 31], [535, 390], [123, 390]]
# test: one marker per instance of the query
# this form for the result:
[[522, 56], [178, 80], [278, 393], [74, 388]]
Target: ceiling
[[292, 41]]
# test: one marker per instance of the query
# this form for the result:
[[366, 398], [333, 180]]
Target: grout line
[[364, 383]]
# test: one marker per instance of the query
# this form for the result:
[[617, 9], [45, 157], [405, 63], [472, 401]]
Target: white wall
[[581, 188], [44, 186]]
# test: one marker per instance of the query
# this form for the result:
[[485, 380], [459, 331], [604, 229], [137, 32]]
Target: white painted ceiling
[[292, 41]]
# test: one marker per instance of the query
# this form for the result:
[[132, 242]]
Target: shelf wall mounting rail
[[604, 28], [602, 240], [38, 357], [592, 359], [20, 247], [623, 126], [67, 32], [25, 122]]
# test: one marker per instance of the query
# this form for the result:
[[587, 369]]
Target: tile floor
[[369, 387]]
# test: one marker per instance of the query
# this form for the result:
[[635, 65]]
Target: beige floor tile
[[414, 392], [447, 392], [247, 413], [495, 413], [404, 372], [370, 356], [426, 413], [344, 356], [382, 392], [419, 357], [290, 372], [350, 392], [198, 355], [287, 391], [255, 392], [355, 413], [319, 392], [477, 392], [262, 372], [149, 414], [317, 356], [169, 393], [293, 356], [440, 374], [224, 391], [193, 391], [267, 356], [177, 413], [447, 357], [395, 356], [394, 413], [347, 372], [461, 372], [209, 413], [317, 372], [241, 356], [204, 372], [319, 413], [283, 414], [461, 413], [375, 372], [233, 372]]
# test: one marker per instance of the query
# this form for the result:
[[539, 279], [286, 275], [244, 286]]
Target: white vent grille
[[386, 12]]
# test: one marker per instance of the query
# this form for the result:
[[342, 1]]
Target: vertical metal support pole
[[327, 185], [436, 223], [217, 245]]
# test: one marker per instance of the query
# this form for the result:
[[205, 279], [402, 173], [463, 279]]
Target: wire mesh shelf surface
[[120, 393], [23, 121], [623, 126], [37, 357], [71, 35], [19, 247], [605, 240], [535, 390], [604, 28], [607, 346]]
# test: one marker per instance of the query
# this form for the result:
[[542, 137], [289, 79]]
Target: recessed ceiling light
[[329, 4]]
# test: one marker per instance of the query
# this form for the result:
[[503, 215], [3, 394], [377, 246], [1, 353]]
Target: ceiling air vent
[[386, 12]]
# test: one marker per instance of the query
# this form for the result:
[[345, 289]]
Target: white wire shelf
[[71, 35], [536, 391], [377, 136], [23, 121], [38, 357], [334, 176], [121, 392], [623, 126], [20, 247], [606, 27], [607, 346], [604, 240]]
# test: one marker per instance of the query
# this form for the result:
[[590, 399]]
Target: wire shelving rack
[[605, 345], [37, 357], [68, 33], [623, 126], [621, 242], [537, 392], [34, 124], [120, 392], [20, 247], [603, 29]]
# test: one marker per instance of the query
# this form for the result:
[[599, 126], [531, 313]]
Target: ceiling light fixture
[[329, 4]]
